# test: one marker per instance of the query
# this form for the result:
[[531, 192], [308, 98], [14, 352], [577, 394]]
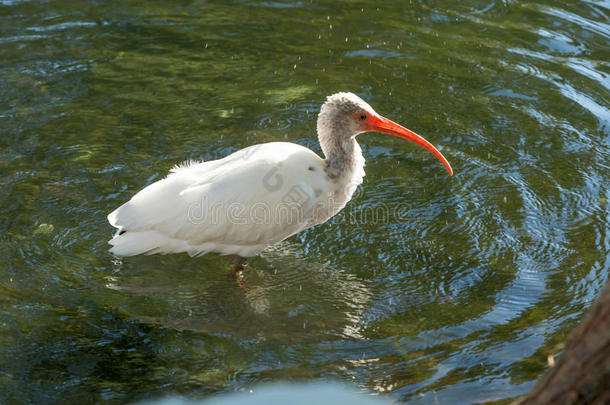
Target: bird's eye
[[362, 117]]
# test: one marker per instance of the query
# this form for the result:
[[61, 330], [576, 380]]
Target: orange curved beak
[[382, 124]]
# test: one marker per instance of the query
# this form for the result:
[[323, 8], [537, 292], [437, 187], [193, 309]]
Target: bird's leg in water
[[238, 262]]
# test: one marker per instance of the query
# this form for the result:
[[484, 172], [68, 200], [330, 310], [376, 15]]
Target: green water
[[425, 288]]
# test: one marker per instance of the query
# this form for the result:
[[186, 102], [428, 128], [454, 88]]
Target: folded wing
[[236, 205]]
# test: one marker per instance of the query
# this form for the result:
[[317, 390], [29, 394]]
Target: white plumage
[[254, 197], [236, 205]]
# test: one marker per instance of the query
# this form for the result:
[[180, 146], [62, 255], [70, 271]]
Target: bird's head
[[345, 115]]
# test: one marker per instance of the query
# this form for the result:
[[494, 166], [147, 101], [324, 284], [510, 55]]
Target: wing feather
[[240, 204]]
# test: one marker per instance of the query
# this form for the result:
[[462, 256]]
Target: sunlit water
[[426, 287]]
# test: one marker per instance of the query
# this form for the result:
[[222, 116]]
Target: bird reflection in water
[[284, 297]]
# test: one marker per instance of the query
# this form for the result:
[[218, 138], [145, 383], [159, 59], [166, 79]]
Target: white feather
[[234, 205]]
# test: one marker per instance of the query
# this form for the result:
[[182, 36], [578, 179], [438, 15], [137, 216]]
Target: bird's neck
[[342, 157], [344, 165]]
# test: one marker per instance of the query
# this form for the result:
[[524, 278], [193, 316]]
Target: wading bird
[[257, 196]]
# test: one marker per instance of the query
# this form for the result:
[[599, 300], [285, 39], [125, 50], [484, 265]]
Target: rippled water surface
[[425, 288]]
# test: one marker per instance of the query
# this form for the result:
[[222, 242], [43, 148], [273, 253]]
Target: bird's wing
[[254, 197]]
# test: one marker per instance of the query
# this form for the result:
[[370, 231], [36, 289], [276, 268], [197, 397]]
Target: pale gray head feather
[[336, 123]]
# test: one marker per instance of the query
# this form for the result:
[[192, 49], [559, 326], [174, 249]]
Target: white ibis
[[256, 196]]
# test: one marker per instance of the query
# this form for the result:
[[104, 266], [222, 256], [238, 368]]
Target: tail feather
[[148, 242], [136, 243]]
